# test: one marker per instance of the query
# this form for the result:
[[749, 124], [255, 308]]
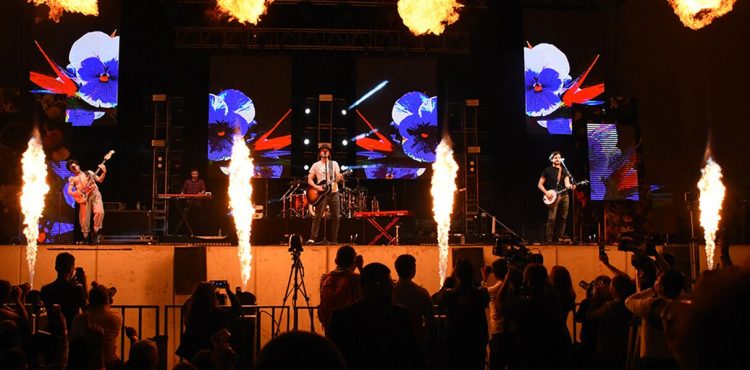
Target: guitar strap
[[559, 174]]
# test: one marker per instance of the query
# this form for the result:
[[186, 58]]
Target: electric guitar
[[81, 194], [314, 196], [558, 192]]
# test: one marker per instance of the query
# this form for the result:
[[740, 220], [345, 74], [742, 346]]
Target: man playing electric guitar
[[82, 187], [325, 173], [553, 179]]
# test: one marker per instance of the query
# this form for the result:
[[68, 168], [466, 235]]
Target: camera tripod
[[297, 276]]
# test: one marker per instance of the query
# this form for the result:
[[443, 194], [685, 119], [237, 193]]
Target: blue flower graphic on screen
[[82, 117], [95, 59], [546, 72], [415, 114], [388, 172], [228, 111]]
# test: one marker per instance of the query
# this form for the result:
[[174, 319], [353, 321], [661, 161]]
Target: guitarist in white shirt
[[553, 179], [326, 170], [86, 193]]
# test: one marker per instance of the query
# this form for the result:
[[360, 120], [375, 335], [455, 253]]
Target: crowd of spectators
[[507, 315]]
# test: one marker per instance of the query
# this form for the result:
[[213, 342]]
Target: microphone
[[562, 159]]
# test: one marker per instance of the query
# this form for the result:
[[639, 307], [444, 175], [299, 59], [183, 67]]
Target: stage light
[[344, 142], [369, 94], [307, 110], [306, 141], [343, 112], [306, 167]]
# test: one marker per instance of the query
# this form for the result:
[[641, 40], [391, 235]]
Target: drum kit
[[295, 204]]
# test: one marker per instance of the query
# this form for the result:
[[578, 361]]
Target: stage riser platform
[[143, 274]]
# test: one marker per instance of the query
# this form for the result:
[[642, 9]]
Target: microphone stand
[[573, 239]]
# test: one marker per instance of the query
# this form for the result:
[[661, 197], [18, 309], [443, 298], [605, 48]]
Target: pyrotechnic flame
[[32, 197], [57, 7], [244, 11], [696, 14], [428, 16], [443, 191], [240, 199], [712, 196]]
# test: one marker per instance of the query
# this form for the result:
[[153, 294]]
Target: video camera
[[511, 249]]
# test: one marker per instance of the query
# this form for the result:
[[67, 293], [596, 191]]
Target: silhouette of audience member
[[467, 331], [416, 299], [143, 356], [65, 291], [204, 318], [98, 316], [711, 332], [374, 333], [13, 359], [341, 286], [300, 350], [590, 329], [608, 312], [500, 343], [559, 278], [205, 360], [184, 366], [654, 352], [534, 314], [17, 296]]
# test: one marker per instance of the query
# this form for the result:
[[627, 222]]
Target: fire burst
[[428, 16], [712, 195], [443, 189], [32, 197], [57, 7], [696, 14], [240, 199], [244, 11]]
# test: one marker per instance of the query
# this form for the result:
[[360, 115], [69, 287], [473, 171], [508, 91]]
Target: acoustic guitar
[[314, 197], [80, 195]]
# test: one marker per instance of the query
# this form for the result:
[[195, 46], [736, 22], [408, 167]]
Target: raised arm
[[100, 178]]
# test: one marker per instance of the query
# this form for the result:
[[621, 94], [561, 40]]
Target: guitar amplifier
[[127, 223], [114, 206]]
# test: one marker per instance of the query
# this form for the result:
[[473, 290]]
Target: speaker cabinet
[[189, 268]]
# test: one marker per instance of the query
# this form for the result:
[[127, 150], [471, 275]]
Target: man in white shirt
[[325, 171]]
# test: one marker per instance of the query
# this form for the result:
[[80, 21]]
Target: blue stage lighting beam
[[369, 94]]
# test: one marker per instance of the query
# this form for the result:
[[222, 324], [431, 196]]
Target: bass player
[[325, 172], [553, 179], [82, 186]]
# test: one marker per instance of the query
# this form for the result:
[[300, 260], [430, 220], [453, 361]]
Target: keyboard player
[[194, 207]]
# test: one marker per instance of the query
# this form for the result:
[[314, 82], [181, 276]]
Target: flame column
[[444, 172], [35, 188], [240, 199]]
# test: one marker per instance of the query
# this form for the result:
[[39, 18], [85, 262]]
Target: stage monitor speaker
[[127, 223], [189, 268], [474, 255]]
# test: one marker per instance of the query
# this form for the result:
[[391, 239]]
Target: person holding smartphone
[[204, 317]]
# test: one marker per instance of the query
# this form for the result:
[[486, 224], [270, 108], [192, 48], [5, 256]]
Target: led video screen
[[251, 96], [74, 67], [612, 161], [396, 113], [560, 68]]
